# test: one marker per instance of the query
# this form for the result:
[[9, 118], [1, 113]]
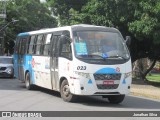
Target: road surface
[[15, 97]]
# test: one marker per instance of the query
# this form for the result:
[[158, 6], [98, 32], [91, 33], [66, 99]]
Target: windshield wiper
[[91, 56], [103, 57], [117, 56], [99, 56]]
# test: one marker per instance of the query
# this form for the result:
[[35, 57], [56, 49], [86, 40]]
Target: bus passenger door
[[54, 61], [22, 48]]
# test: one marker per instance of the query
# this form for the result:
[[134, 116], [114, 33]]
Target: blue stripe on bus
[[107, 71], [23, 34], [15, 65], [26, 64]]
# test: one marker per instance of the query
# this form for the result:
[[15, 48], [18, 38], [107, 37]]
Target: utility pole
[[2, 21]]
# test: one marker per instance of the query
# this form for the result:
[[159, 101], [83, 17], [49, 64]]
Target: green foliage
[[146, 27], [154, 77], [32, 15], [66, 11], [138, 18], [111, 13], [147, 19]]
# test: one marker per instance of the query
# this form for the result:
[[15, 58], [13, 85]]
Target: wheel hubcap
[[66, 90]]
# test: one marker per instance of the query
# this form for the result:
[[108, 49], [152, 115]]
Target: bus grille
[[100, 86], [107, 76], [2, 68]]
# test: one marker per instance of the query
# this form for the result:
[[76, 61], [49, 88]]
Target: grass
[[154, 78]]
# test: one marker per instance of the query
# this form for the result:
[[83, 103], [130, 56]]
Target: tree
[[138, 18], [146, 29], [66, 10], [32, 15]]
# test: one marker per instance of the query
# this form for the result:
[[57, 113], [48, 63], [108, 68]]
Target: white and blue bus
[[75, 60]]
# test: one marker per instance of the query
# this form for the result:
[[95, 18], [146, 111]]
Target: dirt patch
[[145, 89]]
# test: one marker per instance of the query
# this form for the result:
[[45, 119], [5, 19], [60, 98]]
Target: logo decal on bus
[[124, 81], [90, 81], [117, 69], [33, 62], [47, 65]]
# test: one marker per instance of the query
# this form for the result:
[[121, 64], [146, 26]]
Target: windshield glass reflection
[[99, 45]]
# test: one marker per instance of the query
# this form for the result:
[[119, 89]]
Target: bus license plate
[[108, 82]]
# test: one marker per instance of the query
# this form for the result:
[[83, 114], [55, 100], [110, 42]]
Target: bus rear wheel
[[65, 92], [116, 99], [28, 84]]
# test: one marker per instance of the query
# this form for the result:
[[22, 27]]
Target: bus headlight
[[85, 75], [126, 75]]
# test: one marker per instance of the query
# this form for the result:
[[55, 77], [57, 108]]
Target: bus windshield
[[100, 45]]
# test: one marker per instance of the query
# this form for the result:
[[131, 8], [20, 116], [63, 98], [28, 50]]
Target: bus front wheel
[[116, 99], [28, 84], [65, 92]]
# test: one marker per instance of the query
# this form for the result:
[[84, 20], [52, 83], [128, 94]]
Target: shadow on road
[[11, 84], [130, 102]]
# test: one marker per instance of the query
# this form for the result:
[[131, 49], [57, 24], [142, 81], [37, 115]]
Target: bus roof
[[78, 27]]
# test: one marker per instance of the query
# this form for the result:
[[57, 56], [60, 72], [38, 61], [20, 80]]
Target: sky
[[43, 0]]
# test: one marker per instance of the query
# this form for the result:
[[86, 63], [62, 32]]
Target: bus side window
[[39, 44], [55, 47], [47, 44], [27, 45], [19, 46], [31, 45], [22, 46], [65, 49], [16, 47]]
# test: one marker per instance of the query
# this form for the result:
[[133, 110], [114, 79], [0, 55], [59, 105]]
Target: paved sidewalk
[[145, 90]]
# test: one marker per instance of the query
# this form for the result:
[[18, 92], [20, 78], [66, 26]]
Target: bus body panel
[[79, 79], [26, 64], [66, 71], [28, 67], [41, 71]]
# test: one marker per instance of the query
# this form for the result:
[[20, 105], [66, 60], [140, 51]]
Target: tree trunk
[[144, 74], [142, 67], [136, 71]]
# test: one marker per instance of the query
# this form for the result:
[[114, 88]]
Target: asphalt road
[[15, 97]]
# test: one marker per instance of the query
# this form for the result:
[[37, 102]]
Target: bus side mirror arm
[[128, 41]]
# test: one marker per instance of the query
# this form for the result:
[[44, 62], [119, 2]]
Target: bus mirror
[[65, 39], [66, 33], [128, 40]]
